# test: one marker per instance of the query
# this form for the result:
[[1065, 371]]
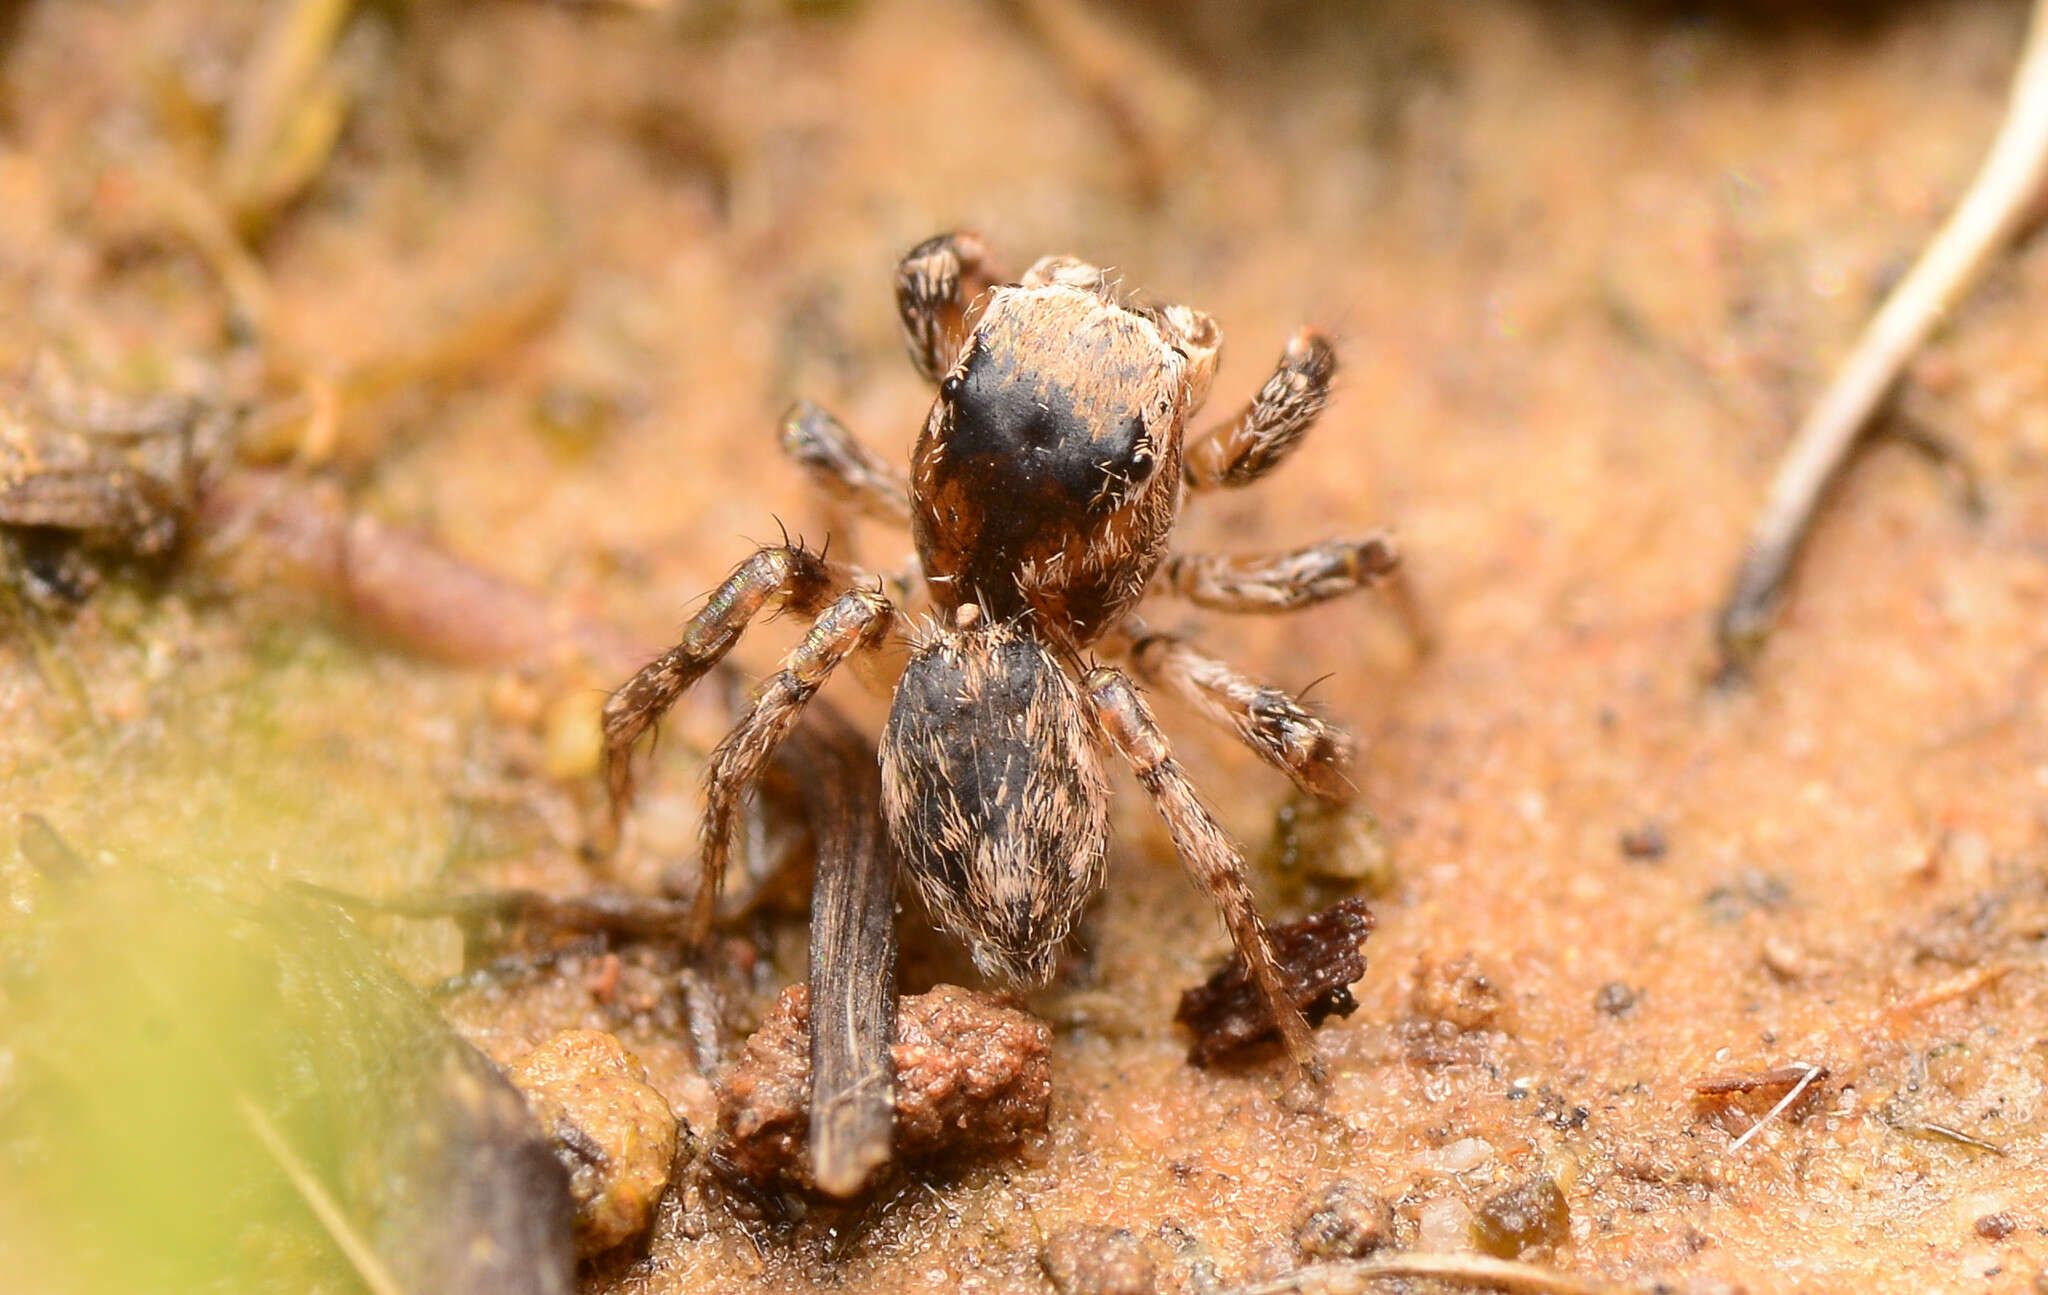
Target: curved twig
[[1460, 1269], [1986, 219]]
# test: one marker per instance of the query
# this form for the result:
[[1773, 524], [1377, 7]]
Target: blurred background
[[425, 358]]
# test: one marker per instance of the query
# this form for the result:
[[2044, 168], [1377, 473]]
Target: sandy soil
[[1587, 265]]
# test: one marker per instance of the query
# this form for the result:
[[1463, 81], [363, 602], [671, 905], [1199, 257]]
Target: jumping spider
[[1041, 496]]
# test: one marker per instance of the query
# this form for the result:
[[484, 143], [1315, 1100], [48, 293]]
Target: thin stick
[[1813, 1072], [1982, 224], [1463, 1270], [332, 1217], [1961, 986], [853, 954], [633, 916]]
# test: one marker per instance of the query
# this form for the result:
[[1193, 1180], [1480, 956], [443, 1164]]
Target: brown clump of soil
[[1094, 1259], [973, 1075]]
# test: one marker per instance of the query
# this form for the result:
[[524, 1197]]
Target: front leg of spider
[[940, 287], [854, 622], [788, 574]]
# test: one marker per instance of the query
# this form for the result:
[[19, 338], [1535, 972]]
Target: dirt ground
[[1587, 264]]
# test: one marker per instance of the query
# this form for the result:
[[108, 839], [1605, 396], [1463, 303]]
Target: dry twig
[[1463, 1270], [1813, 1072], [1986, 219], [853, 954]]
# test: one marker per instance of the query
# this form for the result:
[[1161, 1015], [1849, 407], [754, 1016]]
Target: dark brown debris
[[1751, 1081], [1743, 1102], [852, 974], [973, 1074], [1614, 999], [1645, 842], [1322, 956]]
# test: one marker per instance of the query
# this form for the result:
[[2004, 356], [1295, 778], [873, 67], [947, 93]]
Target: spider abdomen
[[994, 796]]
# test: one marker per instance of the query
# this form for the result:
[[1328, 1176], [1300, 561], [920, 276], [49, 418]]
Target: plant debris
[[1321, 957], [88, 480], [1984, 222]]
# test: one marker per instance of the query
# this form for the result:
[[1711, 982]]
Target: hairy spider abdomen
[[994, 796]]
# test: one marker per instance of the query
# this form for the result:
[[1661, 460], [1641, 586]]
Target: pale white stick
[[1981, 225]]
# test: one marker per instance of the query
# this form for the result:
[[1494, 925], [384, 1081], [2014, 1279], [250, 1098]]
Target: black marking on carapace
[[1024, 470], [1027, 423]]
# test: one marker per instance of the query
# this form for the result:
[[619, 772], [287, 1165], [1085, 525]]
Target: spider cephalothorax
[[1041, 497]]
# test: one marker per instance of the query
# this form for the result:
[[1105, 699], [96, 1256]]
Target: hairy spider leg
[[854, 622], [1256, 583], [840, 465], [788, 574], [939, 289], [1314, 753], [1267, 430], [1211, 858]]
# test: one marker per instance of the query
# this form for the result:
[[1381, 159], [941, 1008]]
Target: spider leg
[[1202, 342], [1314, 753], [843, 467], [1210, 856], [788, 574], [1278, 582], [939, 287], [853, 622], [1249, 446]]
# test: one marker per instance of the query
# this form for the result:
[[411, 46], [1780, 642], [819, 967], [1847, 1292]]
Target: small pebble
[[611, 1130], [1460, 1157], [1312, 838], [1614, 999], [1530, 1218], [1090, 1259], [1996, 1227], [1343, 1221], [573, 735], [1443, 1226], [1459, 991]]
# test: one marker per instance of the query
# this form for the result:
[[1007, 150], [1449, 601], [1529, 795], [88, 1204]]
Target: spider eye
[[1140, 462], [952, 387]]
